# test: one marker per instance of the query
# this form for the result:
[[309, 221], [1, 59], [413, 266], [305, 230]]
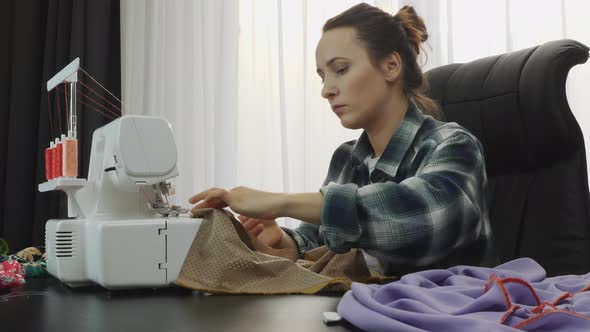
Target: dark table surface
[[45, 304]]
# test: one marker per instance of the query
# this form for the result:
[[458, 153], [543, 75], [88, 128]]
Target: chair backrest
[[515, 103]]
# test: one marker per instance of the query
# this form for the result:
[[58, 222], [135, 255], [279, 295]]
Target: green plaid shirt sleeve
[[425, 197], [307, 236]]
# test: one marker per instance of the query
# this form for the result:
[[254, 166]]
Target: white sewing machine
[[124, 232]]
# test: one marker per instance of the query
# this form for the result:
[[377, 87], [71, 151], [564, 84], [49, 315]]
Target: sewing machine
[[123, 231]]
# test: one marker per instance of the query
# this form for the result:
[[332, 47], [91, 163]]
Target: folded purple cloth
[[510, 297]]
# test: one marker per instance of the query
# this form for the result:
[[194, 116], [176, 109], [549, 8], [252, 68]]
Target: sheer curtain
[[237, 80], [180, 61]]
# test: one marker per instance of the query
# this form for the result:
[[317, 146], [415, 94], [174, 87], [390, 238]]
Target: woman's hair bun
[[413, 25]]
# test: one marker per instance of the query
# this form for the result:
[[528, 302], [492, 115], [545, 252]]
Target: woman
[[410, 192]]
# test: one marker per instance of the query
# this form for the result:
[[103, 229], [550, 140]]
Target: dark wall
[[38, 38]]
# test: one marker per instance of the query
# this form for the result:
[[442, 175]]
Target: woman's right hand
[[266, 231], [269, 238]]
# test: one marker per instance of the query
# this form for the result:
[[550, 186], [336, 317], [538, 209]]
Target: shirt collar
[[398, 145]]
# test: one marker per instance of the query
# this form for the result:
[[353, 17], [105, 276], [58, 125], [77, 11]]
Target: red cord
[[94, 109], [108, 110], [103, 98], [539, 310]]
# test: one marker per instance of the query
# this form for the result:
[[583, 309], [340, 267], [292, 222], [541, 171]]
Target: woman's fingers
[[197, 197], [207, 194], [209, 198], [243, 219], [250, 224], [257, 230], [210, 203], [212, 198], [260, 246]]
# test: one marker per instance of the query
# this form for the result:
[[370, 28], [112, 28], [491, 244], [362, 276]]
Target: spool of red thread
[[48, 163], [51, 161], [55, 156], [59, 158]]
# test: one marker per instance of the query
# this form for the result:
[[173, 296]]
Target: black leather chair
[[515, 103]]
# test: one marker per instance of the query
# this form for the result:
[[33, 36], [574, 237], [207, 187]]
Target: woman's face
[[356, 90]]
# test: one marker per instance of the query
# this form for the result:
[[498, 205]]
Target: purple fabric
[[510, 297]]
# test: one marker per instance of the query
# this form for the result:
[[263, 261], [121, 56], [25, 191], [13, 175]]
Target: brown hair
[[384, 34]]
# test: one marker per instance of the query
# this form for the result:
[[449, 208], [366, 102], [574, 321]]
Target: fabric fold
[[222, 259], [510, 297]]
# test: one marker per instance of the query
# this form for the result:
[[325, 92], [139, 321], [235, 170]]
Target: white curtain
[[180, 61], [237, 79]]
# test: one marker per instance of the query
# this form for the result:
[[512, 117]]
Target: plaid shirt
[[424, 202]]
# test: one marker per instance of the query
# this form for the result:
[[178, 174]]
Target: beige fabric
[[221, 259]]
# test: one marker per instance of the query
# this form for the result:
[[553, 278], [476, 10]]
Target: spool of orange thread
[[70, 156]]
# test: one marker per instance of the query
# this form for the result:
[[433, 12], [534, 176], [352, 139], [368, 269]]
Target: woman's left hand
[[242, 200]]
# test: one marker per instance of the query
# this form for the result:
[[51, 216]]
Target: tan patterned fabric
[[222, 259]]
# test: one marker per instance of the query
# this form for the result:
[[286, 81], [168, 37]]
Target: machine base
[[119, 254]]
